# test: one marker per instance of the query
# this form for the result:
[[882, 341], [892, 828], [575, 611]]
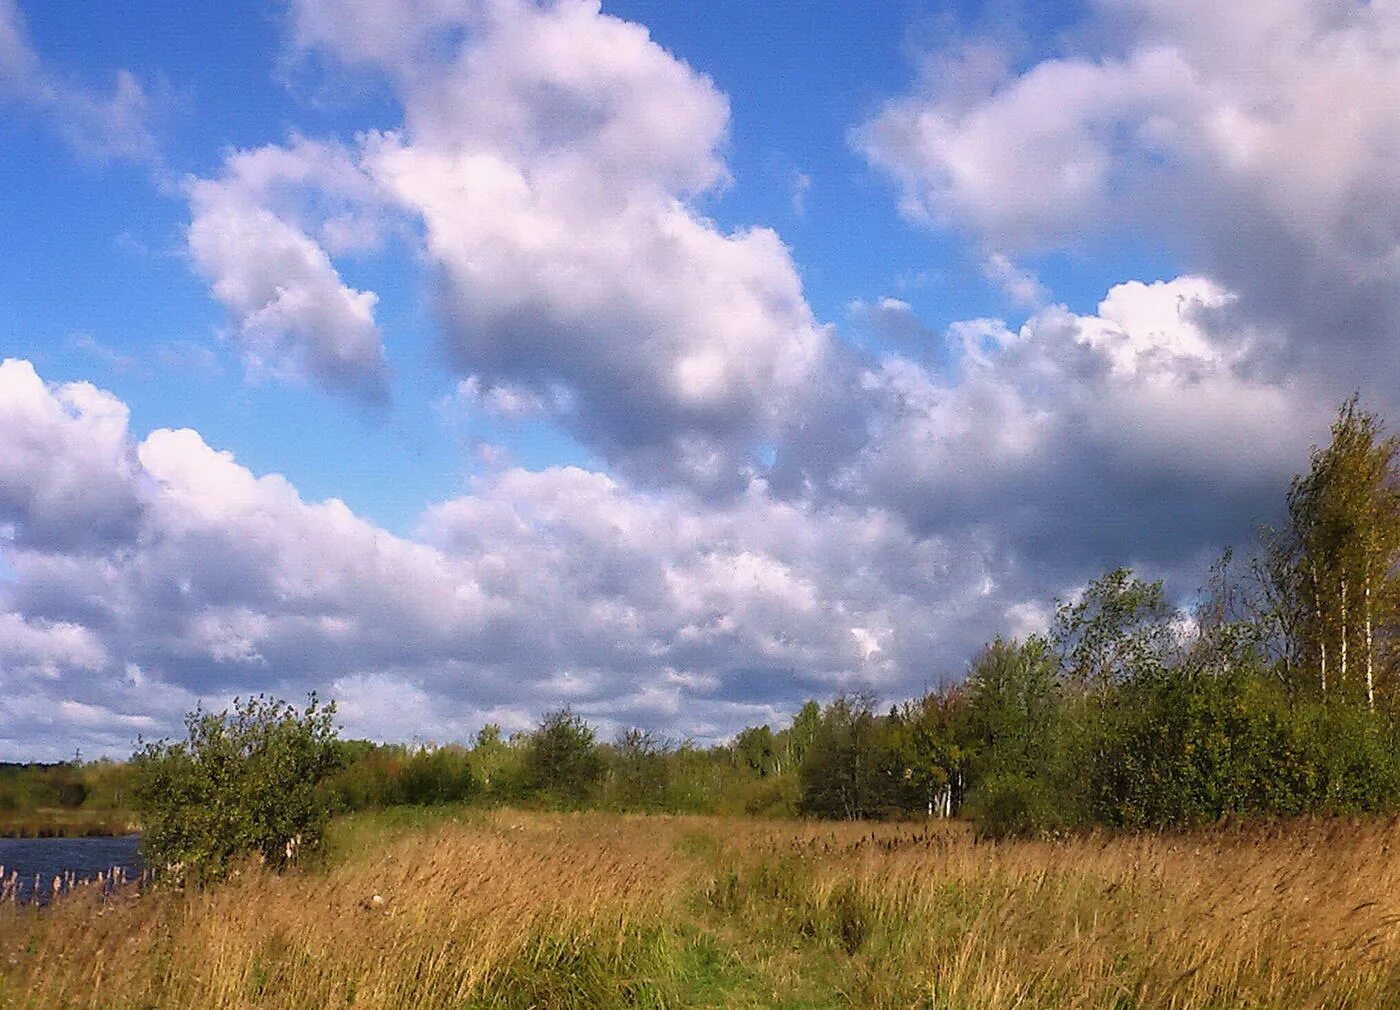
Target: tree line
[[1276, 693]]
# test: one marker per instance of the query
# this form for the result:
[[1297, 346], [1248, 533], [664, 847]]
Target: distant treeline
[[1277, 694], [64, 785]]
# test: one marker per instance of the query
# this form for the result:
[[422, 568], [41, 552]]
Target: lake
[[57, 857]]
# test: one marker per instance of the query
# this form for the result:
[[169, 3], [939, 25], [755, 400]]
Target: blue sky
[[857, 333], [107, 290]]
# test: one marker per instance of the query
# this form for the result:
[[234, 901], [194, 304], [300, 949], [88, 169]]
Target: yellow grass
[[533, 910]]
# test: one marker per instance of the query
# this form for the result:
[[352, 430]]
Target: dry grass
[[534, 910]]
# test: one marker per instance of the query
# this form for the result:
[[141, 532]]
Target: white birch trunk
[[1342, 672], [1370, 645], [1321, 632]]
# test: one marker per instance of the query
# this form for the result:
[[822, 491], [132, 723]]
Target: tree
[[1344, 531], [1013, 730], [854, 769], [244, 781], [803, 731], [1013, 697], [491, 755], [756, 749], [1230, 630], [1119, 626], [641, 772], [434, 775], [927, 734], [561, 758]]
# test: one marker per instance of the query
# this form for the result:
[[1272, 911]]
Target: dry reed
[[536, 910]]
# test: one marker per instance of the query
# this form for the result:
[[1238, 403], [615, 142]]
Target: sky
[[461, 360]]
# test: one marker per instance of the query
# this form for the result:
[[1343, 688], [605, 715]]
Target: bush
[[242, 782], [1013, 806], [440, 775]]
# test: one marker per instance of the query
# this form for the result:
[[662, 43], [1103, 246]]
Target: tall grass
[[533, 910]]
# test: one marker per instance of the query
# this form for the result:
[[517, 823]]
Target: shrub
[[1013, 806], [437, 775], [242, 782]]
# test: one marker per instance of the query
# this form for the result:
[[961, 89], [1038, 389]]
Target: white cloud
[[551, 156], [1020, 284], [879, 516], [67, 476], [1138, 433], [293, 314], [95, 126], [1259, 141], [535, 588]]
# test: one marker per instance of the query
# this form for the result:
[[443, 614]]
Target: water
[[57, 857]]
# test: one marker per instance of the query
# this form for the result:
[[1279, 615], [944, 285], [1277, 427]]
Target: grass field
[[504, 909]]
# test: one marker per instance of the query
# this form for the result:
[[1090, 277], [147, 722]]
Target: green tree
[[854, 768], [806, 724], [1119, 626], [561, 758], [756, 749], [493, 757], [434, 775], [1344, 528], [1018, 741], [244, 781], [641, 771]]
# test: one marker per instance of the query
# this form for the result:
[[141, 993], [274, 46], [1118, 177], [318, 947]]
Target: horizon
[[463, 361]]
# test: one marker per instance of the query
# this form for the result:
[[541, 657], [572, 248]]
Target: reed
[[505, 909]]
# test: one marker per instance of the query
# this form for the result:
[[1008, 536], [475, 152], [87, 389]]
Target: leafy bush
[[1014, 806], [242, 782], [438, 775]]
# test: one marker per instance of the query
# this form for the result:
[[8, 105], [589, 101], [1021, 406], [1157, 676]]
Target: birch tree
[[1344, 527]]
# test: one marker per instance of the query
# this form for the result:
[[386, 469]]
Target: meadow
[[461, 907]]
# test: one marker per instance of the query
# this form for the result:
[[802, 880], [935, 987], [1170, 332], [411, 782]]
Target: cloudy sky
[[461, 359]]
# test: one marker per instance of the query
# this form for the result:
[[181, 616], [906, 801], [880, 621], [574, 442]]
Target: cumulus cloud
[[115, 126], [67, 474], [1258, 140], [537, 588], [552, 157], [787, 514], [1135, 434], [270, 266], [1038, 456], [1021, 285]]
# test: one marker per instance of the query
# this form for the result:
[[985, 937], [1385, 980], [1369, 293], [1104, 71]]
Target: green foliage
[[561, 760], [1013, 698], [1118, 627], [1337, 565], [640, 770], [434, 775], [855, 767], [242, 782], [1013, 805]]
